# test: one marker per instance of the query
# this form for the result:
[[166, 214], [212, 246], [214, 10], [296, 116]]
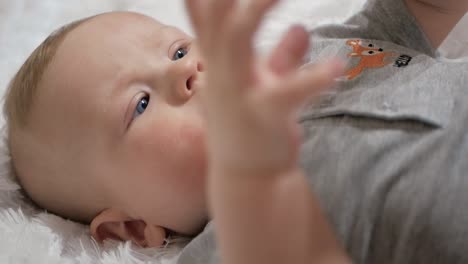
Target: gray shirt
[[386, 151]]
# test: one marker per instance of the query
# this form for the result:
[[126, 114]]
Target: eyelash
[[174, 58], [137, 113], [186, 49]]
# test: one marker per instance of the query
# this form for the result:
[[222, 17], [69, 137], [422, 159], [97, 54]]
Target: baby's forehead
[[102, 43], [119, 26], [83, 72], [122, 22], [122, 18], [99, 55], [109, 31]]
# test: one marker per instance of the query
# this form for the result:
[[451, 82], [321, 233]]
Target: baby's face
[[124, 89]]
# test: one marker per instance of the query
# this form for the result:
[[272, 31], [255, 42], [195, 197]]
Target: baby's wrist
[[250, 170]]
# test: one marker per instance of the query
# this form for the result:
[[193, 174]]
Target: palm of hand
[[250, 104]]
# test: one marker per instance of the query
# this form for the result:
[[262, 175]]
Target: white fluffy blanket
[[29, 235]]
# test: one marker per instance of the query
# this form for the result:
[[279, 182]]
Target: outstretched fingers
[[219, 13], [195, 9], [225, 29], [249, 15], [243, 25], [290, 51], [294, 90], [208, 18]]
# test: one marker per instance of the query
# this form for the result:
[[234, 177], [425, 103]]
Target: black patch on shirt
[[403, 61]]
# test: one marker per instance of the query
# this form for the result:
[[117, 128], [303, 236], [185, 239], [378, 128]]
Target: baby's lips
[[190, 83]]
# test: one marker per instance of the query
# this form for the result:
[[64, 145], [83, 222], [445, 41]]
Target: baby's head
[[106, 128]]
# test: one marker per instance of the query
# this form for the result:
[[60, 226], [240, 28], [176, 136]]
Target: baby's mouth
[[190, 83]]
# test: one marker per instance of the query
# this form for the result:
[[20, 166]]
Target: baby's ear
[[113, 224]]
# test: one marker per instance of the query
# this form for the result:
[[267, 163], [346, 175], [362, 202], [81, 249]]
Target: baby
[[106, 127], [116, 121]]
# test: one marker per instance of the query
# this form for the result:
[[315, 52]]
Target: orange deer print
[[371, 57]]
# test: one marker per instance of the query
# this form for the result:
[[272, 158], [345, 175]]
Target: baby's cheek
[[192, 139], [179, 141], [192, 152], [180, 149]]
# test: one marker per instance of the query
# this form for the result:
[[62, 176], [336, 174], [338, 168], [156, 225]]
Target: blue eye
[[141, 106], [180, 53]]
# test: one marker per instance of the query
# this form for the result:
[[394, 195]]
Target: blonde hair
[[23, 88]]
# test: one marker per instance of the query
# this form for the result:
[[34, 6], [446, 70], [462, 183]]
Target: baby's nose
[[195, 76], [200, 67], [188, 76]]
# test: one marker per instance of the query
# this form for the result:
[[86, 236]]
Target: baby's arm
[[438, 17], [263, 210]]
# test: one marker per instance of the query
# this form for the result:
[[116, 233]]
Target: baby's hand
[[250, 102], [262, 208]]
